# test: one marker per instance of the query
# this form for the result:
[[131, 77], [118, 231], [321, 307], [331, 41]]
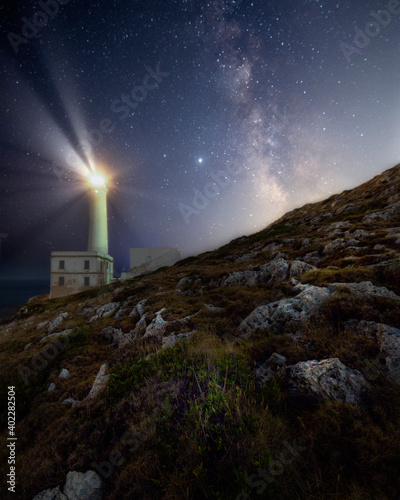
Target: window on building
[[101, 265], [61, 281], [61, 264], [87, 281], [87, 264]]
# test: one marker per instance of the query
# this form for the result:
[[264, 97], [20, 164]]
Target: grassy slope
[[190, 422]]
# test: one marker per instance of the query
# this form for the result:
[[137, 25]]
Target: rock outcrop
[[78, 486], [327, 379], [276, 316]]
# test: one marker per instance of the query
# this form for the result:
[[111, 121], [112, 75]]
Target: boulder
[[334, 245], [140, 327], [139, 310], [172, 339], [299, 267], [56, 322], [389, 343], [64, 373], [275, 271], [105, 310], [312, 257], [273, 246], [246, 257], [64, 333], [276, 315], [99, 383], [383, 215], [84, 486], [364, 288], [157, 327], [241, 278], [327, 379], [114, 336]]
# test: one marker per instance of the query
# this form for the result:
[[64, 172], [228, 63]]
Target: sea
[[14, 293]]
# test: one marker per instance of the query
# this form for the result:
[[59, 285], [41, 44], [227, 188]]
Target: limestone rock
[[139, 310], [237, 278], [277, 315], [100, 382], [213, 308], [115, 337], [273, 246], [364, 288], [106, 310], [327, 379], [334, 245], [274, 271], [64, 373], [299, 267], [141, 326], [157, 326], [172, 339], [246, 257], [53, 324], [84, 486], [389, 343], [383, 215], [52, 336], [276, 360], [39, 327], [71, 401], [183, 282], [54, 494], [312, 258]]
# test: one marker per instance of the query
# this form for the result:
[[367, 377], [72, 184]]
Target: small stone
[[100, 382], [84, 486], [64, 373]]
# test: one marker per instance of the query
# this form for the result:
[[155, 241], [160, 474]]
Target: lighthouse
[[98, 233], [74, 272]]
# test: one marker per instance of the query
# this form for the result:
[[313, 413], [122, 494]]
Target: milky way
[[211, 118]]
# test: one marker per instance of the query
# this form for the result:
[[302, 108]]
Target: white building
[[147, 260], [74, 272]]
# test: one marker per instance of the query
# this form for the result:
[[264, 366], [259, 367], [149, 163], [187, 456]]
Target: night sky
[[211, 118]]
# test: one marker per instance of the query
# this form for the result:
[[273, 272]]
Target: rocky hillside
[[269, 368]]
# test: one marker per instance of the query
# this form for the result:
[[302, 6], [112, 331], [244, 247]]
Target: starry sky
[[211, 119]]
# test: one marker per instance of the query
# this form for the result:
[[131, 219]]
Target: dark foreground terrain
[[269, 368]]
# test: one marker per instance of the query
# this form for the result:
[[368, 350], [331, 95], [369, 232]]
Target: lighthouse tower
[[98, 234], [74, 272]]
